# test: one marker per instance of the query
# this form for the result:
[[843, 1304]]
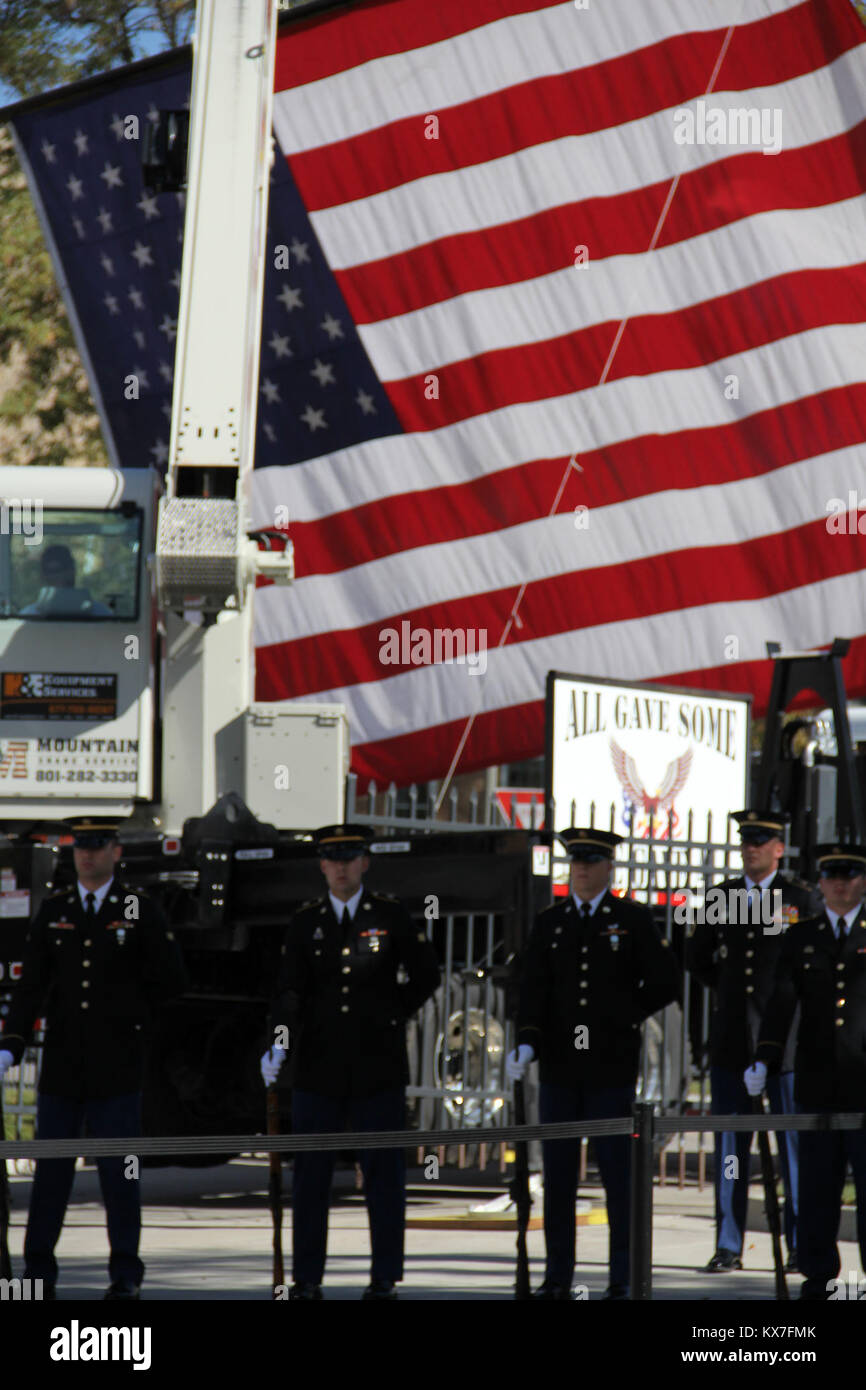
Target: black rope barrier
[[725, 1124], [419, 1138]]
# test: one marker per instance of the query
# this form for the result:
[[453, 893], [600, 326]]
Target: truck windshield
[[76, 566]]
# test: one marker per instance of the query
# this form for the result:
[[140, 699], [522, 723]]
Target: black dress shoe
[[814, 1293], [616, 1291], [548, 1290], [308, 1291], [379, 1291], [122, 1289], [722, 1262], [791, 1266]]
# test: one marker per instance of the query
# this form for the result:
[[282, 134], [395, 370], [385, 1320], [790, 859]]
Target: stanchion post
[[642, 1201]]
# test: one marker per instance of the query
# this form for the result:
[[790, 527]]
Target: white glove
[[271, 1063], [516, 1062], [755, 1078], [6, 1061]]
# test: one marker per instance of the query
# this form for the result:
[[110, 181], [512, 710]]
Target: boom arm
[[204, 558]]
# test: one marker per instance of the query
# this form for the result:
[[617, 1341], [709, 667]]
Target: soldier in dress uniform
[[822, 967], [354, 969], [97, 960], [595, 968], [734, 951]]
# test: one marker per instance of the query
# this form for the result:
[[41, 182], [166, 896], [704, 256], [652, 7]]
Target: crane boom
[[204, 559]]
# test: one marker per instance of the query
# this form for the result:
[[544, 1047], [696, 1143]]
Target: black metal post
[[641, 1257]]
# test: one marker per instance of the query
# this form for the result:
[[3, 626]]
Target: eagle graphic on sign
[[660, 806]]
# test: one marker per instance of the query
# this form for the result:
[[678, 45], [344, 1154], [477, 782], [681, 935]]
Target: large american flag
[[561, 361]]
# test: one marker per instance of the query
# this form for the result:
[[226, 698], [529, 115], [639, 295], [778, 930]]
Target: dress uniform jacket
[[737, 960], [828, 979], [96, 986], [345, 1001], [609, 973]]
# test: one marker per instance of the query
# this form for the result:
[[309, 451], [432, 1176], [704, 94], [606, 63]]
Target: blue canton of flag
[[120, 248]]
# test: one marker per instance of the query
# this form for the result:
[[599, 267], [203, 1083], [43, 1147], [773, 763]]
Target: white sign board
[[652, 753]]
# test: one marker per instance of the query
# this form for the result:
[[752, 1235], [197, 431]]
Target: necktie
[[586, 911], [90, 906], [346, 923]]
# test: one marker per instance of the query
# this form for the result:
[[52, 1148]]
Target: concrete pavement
[[208, 1236]]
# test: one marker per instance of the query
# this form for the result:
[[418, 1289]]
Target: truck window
[[81, 566]]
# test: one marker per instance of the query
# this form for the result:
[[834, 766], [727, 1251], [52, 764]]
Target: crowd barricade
[[643, 1126]]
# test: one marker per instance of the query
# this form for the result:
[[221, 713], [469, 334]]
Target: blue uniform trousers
[[384, 1173], [557, 1105], [823, 1161], [61, 1118], [730, 1097]]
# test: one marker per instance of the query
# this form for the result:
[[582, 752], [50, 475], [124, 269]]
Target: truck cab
[[77, 642]]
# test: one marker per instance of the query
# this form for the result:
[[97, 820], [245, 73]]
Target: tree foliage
[[45, 43], [46, 410]]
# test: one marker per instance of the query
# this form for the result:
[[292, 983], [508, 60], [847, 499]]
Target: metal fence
[[19, 1099]]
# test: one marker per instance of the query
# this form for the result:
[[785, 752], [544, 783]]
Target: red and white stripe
[[707, 511]]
